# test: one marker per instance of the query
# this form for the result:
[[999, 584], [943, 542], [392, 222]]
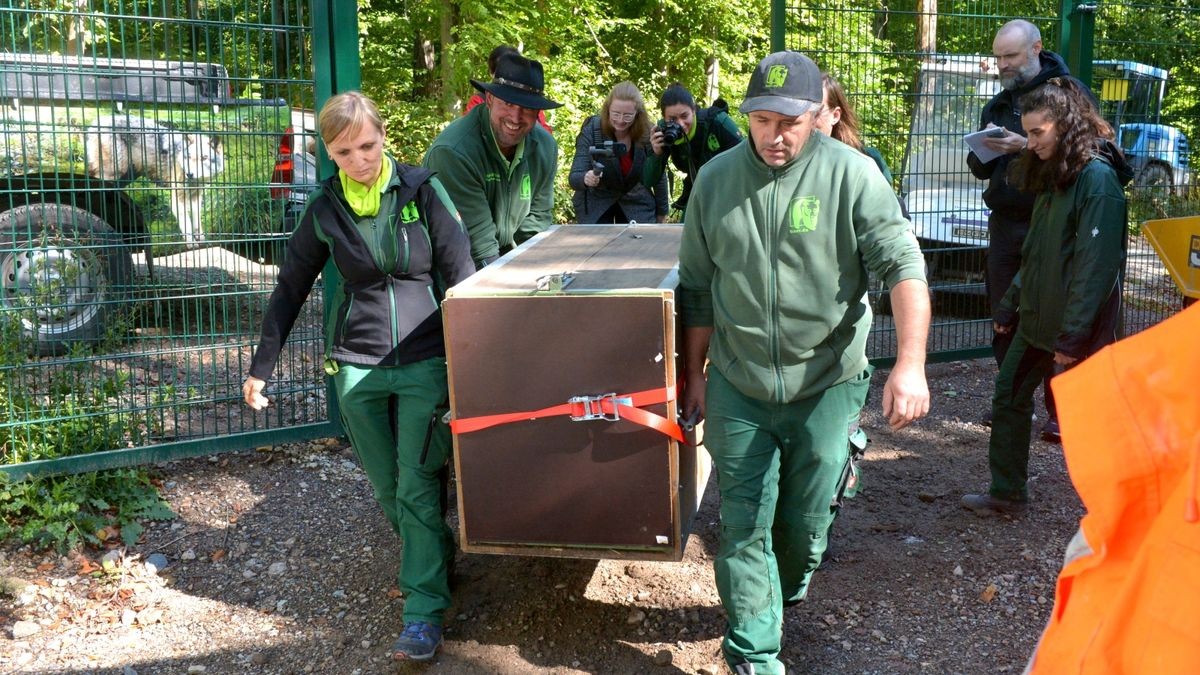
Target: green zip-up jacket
[[776, 261], [1068, 291], [501, 203]]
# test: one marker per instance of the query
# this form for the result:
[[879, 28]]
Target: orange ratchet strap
[[610, 407]]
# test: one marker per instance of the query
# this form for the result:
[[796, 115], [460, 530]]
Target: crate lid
[[584, 260]]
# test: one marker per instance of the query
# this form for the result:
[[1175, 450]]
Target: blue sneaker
[[419, 641]]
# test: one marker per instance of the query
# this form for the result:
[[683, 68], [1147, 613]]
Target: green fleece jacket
[[776, 261], [501, 203], [1067, 293]]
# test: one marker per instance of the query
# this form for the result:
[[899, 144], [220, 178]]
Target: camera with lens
[[671, 131]]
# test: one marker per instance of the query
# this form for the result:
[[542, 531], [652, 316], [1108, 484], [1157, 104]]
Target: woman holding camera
[[610, 152], [689, 136], [392, 233]]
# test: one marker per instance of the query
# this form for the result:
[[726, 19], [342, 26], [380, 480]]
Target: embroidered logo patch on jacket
[[526, 191], [409, 213], [803, 213]]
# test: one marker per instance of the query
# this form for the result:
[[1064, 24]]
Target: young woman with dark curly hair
[[1067, 293]]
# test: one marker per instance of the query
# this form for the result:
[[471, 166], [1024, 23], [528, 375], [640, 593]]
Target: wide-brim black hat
[[518, 81]]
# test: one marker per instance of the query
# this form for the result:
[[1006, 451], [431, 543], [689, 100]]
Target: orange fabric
[[1130, 418]]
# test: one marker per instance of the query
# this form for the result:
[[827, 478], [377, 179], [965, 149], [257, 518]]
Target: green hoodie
[[775, 260], [501, 203]]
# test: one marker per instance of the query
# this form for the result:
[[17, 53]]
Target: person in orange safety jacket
[[1128, 597]]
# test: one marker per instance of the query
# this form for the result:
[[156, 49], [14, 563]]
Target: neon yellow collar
[[364, 199]]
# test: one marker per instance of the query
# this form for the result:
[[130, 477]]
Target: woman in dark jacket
[[393, 235], [618, 140], [1067, 293], [689, 136]]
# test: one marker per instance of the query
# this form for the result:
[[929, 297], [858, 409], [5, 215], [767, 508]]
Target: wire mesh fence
[[919, 78], [155, 153]]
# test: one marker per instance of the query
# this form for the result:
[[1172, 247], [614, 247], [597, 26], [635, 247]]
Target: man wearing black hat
[[497, 164], [778, 239]]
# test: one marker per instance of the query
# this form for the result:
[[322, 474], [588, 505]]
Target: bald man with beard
[[1023, 65]]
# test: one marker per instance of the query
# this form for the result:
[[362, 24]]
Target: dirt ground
[[280, 562]]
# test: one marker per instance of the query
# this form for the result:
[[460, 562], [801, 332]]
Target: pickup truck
[[102, 158]]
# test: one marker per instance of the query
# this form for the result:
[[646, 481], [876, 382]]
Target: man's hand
[[905, 396], [1008, 143], [692, 404]]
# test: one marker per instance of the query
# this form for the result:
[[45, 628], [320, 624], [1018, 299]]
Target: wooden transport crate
[[574, 314]]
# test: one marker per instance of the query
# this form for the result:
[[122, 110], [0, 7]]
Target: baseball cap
[[788, 83]]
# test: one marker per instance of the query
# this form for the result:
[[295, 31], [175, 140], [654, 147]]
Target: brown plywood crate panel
[[552, 485]]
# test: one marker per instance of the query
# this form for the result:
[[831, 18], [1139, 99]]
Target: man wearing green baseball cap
[[778, 240]]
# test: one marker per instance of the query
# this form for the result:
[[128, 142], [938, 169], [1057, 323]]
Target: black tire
[[64, 273]]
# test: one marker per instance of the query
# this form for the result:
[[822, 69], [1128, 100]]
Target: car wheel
[[64, 273], [1156, 181]]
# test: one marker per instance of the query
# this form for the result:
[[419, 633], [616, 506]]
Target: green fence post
[[778, 25], [337, 68], [1078, 36]]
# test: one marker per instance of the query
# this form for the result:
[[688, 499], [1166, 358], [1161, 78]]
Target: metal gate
[[155, 155], [918, 81]]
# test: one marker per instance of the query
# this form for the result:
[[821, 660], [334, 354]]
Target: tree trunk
[[927, 26], [712, 79], [448, 17], [78, 35], [424, 62]]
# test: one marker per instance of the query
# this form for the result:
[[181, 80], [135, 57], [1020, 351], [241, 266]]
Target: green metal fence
[[154, 155], [919, 80]]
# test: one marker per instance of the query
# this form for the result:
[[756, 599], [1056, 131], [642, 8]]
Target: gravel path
[[280, 562]]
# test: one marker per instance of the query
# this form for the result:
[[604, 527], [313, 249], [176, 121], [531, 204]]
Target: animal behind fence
[[122, 148]]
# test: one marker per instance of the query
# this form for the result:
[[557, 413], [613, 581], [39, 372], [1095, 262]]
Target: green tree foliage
[[585, 49], [1123, 33]]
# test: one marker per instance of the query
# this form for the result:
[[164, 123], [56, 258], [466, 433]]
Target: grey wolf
[[125, 147]]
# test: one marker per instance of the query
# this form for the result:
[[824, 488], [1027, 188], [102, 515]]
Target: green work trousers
[[393, 418], [779, 467], [1023, 369]]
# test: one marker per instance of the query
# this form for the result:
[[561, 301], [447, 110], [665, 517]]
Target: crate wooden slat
[[602, 322]]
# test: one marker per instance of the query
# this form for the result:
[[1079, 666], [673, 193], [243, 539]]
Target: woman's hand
[[656, 141], [1002, 330], [252, 393], [1064, 360], [591, 178]]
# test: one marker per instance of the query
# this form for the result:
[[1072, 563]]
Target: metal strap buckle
[[585, 408]]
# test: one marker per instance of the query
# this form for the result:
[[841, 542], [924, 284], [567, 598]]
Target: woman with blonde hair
[[397, 245], [610, 152]]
